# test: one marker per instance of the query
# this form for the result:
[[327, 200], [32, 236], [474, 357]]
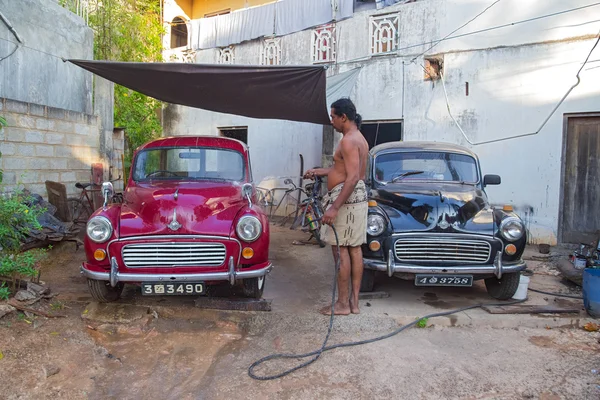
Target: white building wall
[[516, 76]]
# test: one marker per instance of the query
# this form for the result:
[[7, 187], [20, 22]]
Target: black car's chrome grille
[[444, 249], [173, 254]]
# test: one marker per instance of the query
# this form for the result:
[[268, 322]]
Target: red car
[[189, 219]]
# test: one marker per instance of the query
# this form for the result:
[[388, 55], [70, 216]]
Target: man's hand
[[310, 174], [330, 216]]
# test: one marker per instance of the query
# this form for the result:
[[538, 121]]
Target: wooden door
[[581, 195]]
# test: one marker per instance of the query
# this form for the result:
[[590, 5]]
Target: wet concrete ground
[[149, 347]]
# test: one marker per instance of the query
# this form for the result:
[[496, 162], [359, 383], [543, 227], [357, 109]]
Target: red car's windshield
[[188, 163]]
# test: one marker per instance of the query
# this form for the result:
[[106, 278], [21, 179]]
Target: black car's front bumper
[[391, 266]]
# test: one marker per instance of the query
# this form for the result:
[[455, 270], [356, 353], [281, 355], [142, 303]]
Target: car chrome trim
[[117, 277], [173, 254], [497, 268], [431, 246], [114, 272], [168, 237]]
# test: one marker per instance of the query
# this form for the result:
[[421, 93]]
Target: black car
[[430, 220]]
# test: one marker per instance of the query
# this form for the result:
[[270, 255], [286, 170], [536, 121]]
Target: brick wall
[[44, 143]]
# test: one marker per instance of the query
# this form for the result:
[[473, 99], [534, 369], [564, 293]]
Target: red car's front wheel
[[254, 287]]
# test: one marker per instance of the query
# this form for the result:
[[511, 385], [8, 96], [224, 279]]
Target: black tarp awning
[[295, 93]]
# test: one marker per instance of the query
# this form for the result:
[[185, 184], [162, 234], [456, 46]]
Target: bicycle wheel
[[317, 235], [80, 212], [117, 198]]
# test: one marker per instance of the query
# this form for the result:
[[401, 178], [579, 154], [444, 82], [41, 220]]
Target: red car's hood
[[201, 208]]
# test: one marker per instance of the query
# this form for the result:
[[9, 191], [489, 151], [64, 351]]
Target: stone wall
[[45, 143]]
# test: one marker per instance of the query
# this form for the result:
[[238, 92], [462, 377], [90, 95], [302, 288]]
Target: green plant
[[56, 305], [4, 291], [18, 217], [2, 122], [422, 323], [130, 30]]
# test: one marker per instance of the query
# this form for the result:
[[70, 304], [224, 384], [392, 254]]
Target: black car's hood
[[432, 206]]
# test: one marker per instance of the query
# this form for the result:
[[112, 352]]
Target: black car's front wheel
[[503, 288], [254, 287], [368, 281]]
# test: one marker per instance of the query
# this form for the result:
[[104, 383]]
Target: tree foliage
[[130, 30]]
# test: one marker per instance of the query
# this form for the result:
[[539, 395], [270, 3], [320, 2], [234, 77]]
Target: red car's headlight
[[249, 228]]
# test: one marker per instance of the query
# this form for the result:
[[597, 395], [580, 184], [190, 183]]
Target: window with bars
[[226, 55], [383, 33], [323, 44], [270, 53]]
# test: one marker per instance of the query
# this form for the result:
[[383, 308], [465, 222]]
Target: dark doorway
[[235, 132], [580, 219], [381, 132]]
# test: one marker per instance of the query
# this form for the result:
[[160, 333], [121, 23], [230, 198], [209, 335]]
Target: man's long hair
[[346, 106]]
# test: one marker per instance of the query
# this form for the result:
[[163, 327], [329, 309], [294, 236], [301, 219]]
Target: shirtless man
[[346, 204]]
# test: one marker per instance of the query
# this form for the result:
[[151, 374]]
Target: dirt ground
[[148, 347]]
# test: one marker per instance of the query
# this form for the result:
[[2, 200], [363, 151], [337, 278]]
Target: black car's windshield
[[188, 163], [436, 166]]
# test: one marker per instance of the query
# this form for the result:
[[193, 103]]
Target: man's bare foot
[[338, 309], [354, 307]]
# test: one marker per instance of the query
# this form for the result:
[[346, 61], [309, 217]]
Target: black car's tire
[[503, 288], [254, 287], [102, 292], [368, 280]]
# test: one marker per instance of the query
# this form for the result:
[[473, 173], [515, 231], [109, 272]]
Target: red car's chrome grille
[[180, 254], [446, 249]]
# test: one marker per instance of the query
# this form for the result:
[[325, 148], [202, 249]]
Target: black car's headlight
[[512, 228], [249, 228], [99, 229], [375, 224]]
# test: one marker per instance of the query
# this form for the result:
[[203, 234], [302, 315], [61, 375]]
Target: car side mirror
[[491, 180], [107, 192], [247, 190]]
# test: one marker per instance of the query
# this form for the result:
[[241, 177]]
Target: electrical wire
[[501, 26], [16, 35], [524, 134], [446, 38], [31, 48], [457, 29]]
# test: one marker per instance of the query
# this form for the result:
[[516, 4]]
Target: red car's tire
[[102, 292], [254, 287]]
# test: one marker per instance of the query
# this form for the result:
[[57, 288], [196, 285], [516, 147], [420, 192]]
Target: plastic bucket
[[521, 293], [591, 291]]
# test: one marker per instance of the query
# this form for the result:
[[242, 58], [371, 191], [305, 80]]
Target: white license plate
[[173, 289], [443, 280]]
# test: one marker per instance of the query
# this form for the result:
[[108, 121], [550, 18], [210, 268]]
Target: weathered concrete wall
[[35, 73], [516, 75], [45, 143], [55, 131]]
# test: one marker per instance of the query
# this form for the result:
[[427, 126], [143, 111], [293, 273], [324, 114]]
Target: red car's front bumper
[[142, 259]]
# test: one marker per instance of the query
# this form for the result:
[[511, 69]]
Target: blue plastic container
[[591, 291]]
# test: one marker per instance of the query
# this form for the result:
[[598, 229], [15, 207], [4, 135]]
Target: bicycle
[[82, 207], [311, 210]]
